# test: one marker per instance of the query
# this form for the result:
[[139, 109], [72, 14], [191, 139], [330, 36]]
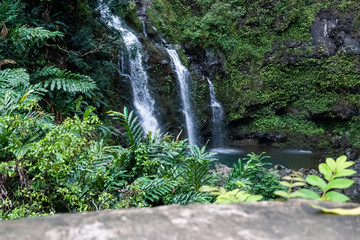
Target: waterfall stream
[[217, 118], [183, 76], [143, 102]]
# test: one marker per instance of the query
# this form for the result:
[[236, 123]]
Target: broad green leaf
[[222, 200], [239, 196], [341, 168], [298, 184], [331, 163], [206, 188], [340, 162], [254, 198], [339, 211], [299, 179], [284, 183], [335, 196], [306, 193], [345, 173], [287, 178], [325, 170], [339, 183], [316, 181], [282, 194], [295, 194]]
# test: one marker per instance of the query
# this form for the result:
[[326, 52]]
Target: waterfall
[[144, 29], [183, 77], [217, 118], [143, 102]]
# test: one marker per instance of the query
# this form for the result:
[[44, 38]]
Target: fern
[[197, 166], [14, 89], [157, 188], [131, 125], [25, 37], [10, 11], [53, 78], [12, 78], [190, 197]]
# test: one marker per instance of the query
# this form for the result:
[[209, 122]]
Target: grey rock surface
[[294, 219]]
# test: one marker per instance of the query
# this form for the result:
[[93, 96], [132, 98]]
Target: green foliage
[[24, 37], [11, 11], [270, 64], [250, 174], [14, 89], [292, 181], [53, 78], [224, 197], [332, 171], [131, 125], [196, 167]]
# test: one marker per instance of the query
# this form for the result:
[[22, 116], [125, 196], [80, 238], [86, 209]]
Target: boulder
[[294, 219]]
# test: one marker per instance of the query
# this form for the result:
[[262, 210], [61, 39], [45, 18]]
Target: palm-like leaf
[[53, 78], [157, 188], [131, 125]]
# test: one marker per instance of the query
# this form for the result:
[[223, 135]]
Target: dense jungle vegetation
[[275, 78], [62, 149]]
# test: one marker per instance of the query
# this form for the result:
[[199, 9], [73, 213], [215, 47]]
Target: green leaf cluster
[[252, 175], [236, 195], [333, 172]]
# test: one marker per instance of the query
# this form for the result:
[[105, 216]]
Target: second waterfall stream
[[143, 101], [183, 76]]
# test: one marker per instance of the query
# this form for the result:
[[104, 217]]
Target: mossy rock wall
[[289, 67]]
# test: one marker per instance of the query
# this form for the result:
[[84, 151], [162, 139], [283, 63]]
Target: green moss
[[263, 74]]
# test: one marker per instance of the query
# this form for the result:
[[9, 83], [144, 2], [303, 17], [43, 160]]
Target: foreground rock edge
[[294, 219]]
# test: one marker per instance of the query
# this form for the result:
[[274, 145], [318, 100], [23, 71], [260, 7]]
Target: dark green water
[[290, 158]]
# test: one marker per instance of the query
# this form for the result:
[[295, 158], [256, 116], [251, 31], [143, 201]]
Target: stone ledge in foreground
[[294, 219]]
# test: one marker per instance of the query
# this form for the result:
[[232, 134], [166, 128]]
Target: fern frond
[[10, 11], [20, 151], [196, 172], [25, 36], [157, 188], [131, 125], [54, 78], [190, 197], [12, 78]]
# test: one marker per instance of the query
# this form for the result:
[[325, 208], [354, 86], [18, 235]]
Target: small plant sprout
[[224, 197], [293, 180]]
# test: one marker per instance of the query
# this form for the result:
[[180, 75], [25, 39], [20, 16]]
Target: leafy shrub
[[250, 174], [332, 170]]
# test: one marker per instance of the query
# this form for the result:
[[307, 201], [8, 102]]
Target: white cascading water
[[143, 102], [217, 118], [183, 77]]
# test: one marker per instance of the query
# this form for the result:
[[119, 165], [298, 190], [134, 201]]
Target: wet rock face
[[345, 111], [165, 88], [353, 192], [333, 35], [294, 219]]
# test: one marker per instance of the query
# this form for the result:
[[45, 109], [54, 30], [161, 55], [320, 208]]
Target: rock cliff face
[[253, 221], [289, 71]]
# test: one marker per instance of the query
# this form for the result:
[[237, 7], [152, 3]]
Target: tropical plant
[[225, 197], [196, 167], [250, 174], [293, 180], [53, 78], [333, 172]]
